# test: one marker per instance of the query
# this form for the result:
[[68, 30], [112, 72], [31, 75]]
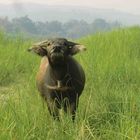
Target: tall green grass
[[109, 107]]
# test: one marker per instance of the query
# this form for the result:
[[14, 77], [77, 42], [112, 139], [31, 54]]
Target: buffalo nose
[[57, 48]]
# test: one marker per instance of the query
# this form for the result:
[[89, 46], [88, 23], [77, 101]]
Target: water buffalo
[[60, 78]]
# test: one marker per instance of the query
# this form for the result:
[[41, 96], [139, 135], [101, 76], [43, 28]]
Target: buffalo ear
[[39, 48], [75, 48]]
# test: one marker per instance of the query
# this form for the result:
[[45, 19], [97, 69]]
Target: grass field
[[109, 107]]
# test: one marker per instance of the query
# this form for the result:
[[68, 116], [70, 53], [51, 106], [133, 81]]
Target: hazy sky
[[131, 6]]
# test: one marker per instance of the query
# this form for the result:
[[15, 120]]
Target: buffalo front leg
[[70, 108], [53, 109]]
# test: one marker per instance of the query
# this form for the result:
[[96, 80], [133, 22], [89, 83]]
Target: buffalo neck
[[58, 71]]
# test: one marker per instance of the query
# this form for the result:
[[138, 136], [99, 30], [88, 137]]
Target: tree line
[[70, 29]]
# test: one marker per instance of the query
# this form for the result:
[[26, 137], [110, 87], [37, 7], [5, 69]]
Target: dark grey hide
[[61, 78]]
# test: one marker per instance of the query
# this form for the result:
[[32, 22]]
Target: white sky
[[131, 6]]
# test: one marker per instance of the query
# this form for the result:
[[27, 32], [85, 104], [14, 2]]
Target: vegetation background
[[42, 29], [109, 106]]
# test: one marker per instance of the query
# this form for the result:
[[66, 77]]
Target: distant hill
[[40, 12]]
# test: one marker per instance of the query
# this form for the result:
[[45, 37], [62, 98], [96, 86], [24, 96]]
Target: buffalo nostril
[[57, 48]]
